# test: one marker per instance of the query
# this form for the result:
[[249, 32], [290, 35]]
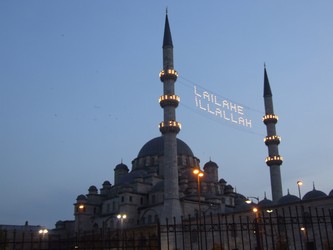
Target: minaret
[[169, 129], [274, 160]]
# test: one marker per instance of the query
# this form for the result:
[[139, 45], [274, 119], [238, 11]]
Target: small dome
[[265, 202], [289, 198], [106, 183], [223, 181], [92, 190], [314, 194], [81, 197], [156, 147], [210, 164], [159, 187], [121, 166]]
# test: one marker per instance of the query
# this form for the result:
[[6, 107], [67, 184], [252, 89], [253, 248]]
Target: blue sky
[[79, 93]]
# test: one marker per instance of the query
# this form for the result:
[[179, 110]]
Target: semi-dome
[[314, 194], [129, 178], [156, 147]]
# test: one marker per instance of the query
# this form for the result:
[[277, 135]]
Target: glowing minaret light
[[274, 160], [169, 129]]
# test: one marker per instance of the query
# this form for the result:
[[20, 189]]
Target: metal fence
[[287, 228]]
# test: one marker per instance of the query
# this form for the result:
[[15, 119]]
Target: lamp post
[[43, 233], [122, 217], [199, 174], [257, 228], [299, 184], [81, 208]]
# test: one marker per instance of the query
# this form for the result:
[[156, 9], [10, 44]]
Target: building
[[166, 182], [161, 183]]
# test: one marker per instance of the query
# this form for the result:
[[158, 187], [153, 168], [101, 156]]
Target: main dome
[[156, 147]]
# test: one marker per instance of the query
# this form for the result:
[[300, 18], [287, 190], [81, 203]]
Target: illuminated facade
[[274, 160]]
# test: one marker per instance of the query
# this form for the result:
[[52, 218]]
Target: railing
[[284, 228]]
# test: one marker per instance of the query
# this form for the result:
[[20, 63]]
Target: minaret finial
[[166, 10], [314, 188]]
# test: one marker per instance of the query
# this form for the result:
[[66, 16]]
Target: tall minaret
[[274, 160], [169, 128]]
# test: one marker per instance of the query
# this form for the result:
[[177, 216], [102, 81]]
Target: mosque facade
[[165, 181]]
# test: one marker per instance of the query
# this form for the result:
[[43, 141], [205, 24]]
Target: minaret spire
[[167, 40], [274, 160], [169, 129]]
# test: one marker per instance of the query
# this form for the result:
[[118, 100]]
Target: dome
[[106, 183], [314, 194], [265, 202], [156, 147], [289, 198], [81, 197], [222, 181], [210, 164], [121, 166], [92, 190]]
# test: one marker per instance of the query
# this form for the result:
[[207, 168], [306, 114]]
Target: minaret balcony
[[270, 118], [272, 140], [274, 160], [169, 100], [169, 74], [170, 126]]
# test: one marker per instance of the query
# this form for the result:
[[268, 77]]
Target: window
[[130, 199], [122, 198]]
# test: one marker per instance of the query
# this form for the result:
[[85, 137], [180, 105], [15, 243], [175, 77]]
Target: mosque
[[165, 180]]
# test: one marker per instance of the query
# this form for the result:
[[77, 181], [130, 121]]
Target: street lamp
[[43, 232], [121, 216], [249, 201], [200, 174], [299, 184]]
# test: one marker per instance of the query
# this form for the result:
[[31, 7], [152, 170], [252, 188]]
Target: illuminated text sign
[[221, 108]]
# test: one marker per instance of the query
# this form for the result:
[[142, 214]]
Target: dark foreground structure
[[287, 227]]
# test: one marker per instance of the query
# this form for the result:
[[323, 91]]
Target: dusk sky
[[79, 91]]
